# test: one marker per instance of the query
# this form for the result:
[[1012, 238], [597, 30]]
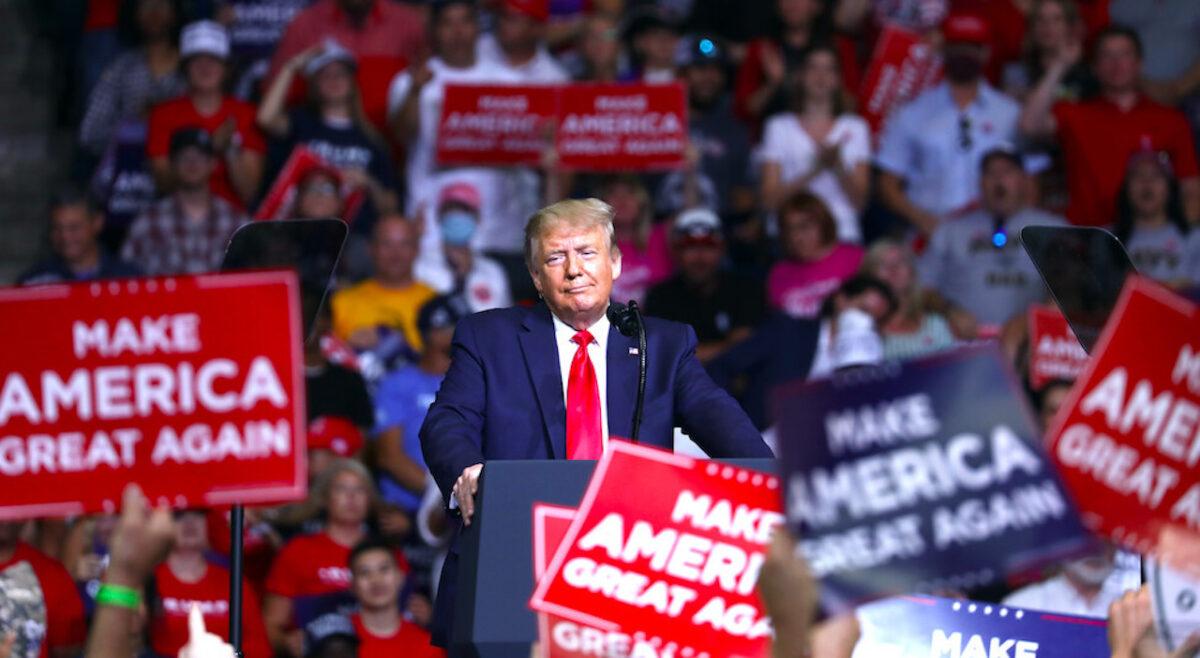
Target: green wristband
[[119, 595]]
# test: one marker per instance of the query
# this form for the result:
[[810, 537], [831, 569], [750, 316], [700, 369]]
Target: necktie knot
[[582, 338]]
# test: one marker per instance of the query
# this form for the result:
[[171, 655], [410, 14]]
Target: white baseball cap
[[204, 38], [330, 53], [698, 224]]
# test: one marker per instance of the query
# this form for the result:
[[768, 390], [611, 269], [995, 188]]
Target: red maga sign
[[902, 66], [1129, 446], [280, 201], [677, 563], [1054, 352], [562, 638], [192, 387], [495, 124], [622, 127]]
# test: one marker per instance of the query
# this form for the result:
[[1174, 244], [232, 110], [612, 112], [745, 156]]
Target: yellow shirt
[[369, 304]]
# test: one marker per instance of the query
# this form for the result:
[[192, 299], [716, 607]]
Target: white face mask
[[856, 343], [1090, 570]]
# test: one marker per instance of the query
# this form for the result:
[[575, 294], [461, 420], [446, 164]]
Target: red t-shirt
[[310, 565], [169, 618], [313, 571], [101, 15], [409, 641], [66, 625], [169, 116], [257, 550], [1097, 140]]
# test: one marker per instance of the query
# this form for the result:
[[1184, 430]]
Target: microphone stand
[[237, 524], [636, 314]]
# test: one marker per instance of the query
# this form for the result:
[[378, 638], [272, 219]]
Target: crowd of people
[[798, 238]]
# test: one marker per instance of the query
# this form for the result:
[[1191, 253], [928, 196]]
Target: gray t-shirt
[[1192, 257], [992, 283], [1159, 253]]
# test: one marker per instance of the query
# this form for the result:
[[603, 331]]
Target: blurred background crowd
[[798, 237]]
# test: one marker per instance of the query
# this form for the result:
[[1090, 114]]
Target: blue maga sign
[[929, 627], [924, 476]]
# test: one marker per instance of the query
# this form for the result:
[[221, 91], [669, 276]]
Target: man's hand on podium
[[464, 491]]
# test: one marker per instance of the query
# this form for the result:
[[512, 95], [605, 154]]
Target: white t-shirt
[[502, 213], [506, 202], [541, 69], [1056, 595], [486, 286], [786, 144]]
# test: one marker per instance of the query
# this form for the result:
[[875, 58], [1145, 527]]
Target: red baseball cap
[[538, 10], [462, 193], [336, 434], [966, 28]]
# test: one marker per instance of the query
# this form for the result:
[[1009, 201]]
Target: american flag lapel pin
[[633, 351]]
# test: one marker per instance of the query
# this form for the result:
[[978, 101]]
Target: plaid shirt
[[163, 241], [126, 90]]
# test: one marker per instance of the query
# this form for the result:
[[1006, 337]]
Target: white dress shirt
[[597, 352], [786, 143], [1056, 595]]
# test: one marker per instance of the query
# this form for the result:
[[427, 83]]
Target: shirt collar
[[599, 331], [983, 97]]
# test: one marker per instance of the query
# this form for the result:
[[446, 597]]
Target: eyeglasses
[[323, 188], [964, 132]]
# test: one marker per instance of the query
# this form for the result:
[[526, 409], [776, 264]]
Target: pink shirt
[[641, 269], [799, 288]]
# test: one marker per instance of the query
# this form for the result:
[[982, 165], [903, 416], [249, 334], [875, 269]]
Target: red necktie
[[585, 439]]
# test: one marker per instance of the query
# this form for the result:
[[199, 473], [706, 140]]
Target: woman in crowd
[[187, 577], [645, 252], [138, 78], [1054, 37], [1150, 220], [762, 81], [814, 262], [599, 51], [819, 146], [310, 575], [911, 331], [332, 124], [318, 196]]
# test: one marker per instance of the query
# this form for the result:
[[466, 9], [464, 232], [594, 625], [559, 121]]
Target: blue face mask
[[457, 227]]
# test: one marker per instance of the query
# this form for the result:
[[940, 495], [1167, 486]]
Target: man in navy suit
[[556, 381]]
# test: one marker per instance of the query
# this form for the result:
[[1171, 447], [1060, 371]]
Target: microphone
[[627, 318]]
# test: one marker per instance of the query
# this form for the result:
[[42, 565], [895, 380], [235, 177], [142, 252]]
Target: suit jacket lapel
[[541, 360], [622, 383]]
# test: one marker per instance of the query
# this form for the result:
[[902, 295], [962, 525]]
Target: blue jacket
[[503, 395]]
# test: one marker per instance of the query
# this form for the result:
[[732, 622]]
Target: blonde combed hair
[[576, 213], [321, 488]]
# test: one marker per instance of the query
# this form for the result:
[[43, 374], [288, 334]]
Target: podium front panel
[[495, 576]]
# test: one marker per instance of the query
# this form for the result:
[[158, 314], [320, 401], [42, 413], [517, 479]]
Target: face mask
[[1090, 571], [457, 227], [963, 67], [856, 343]]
